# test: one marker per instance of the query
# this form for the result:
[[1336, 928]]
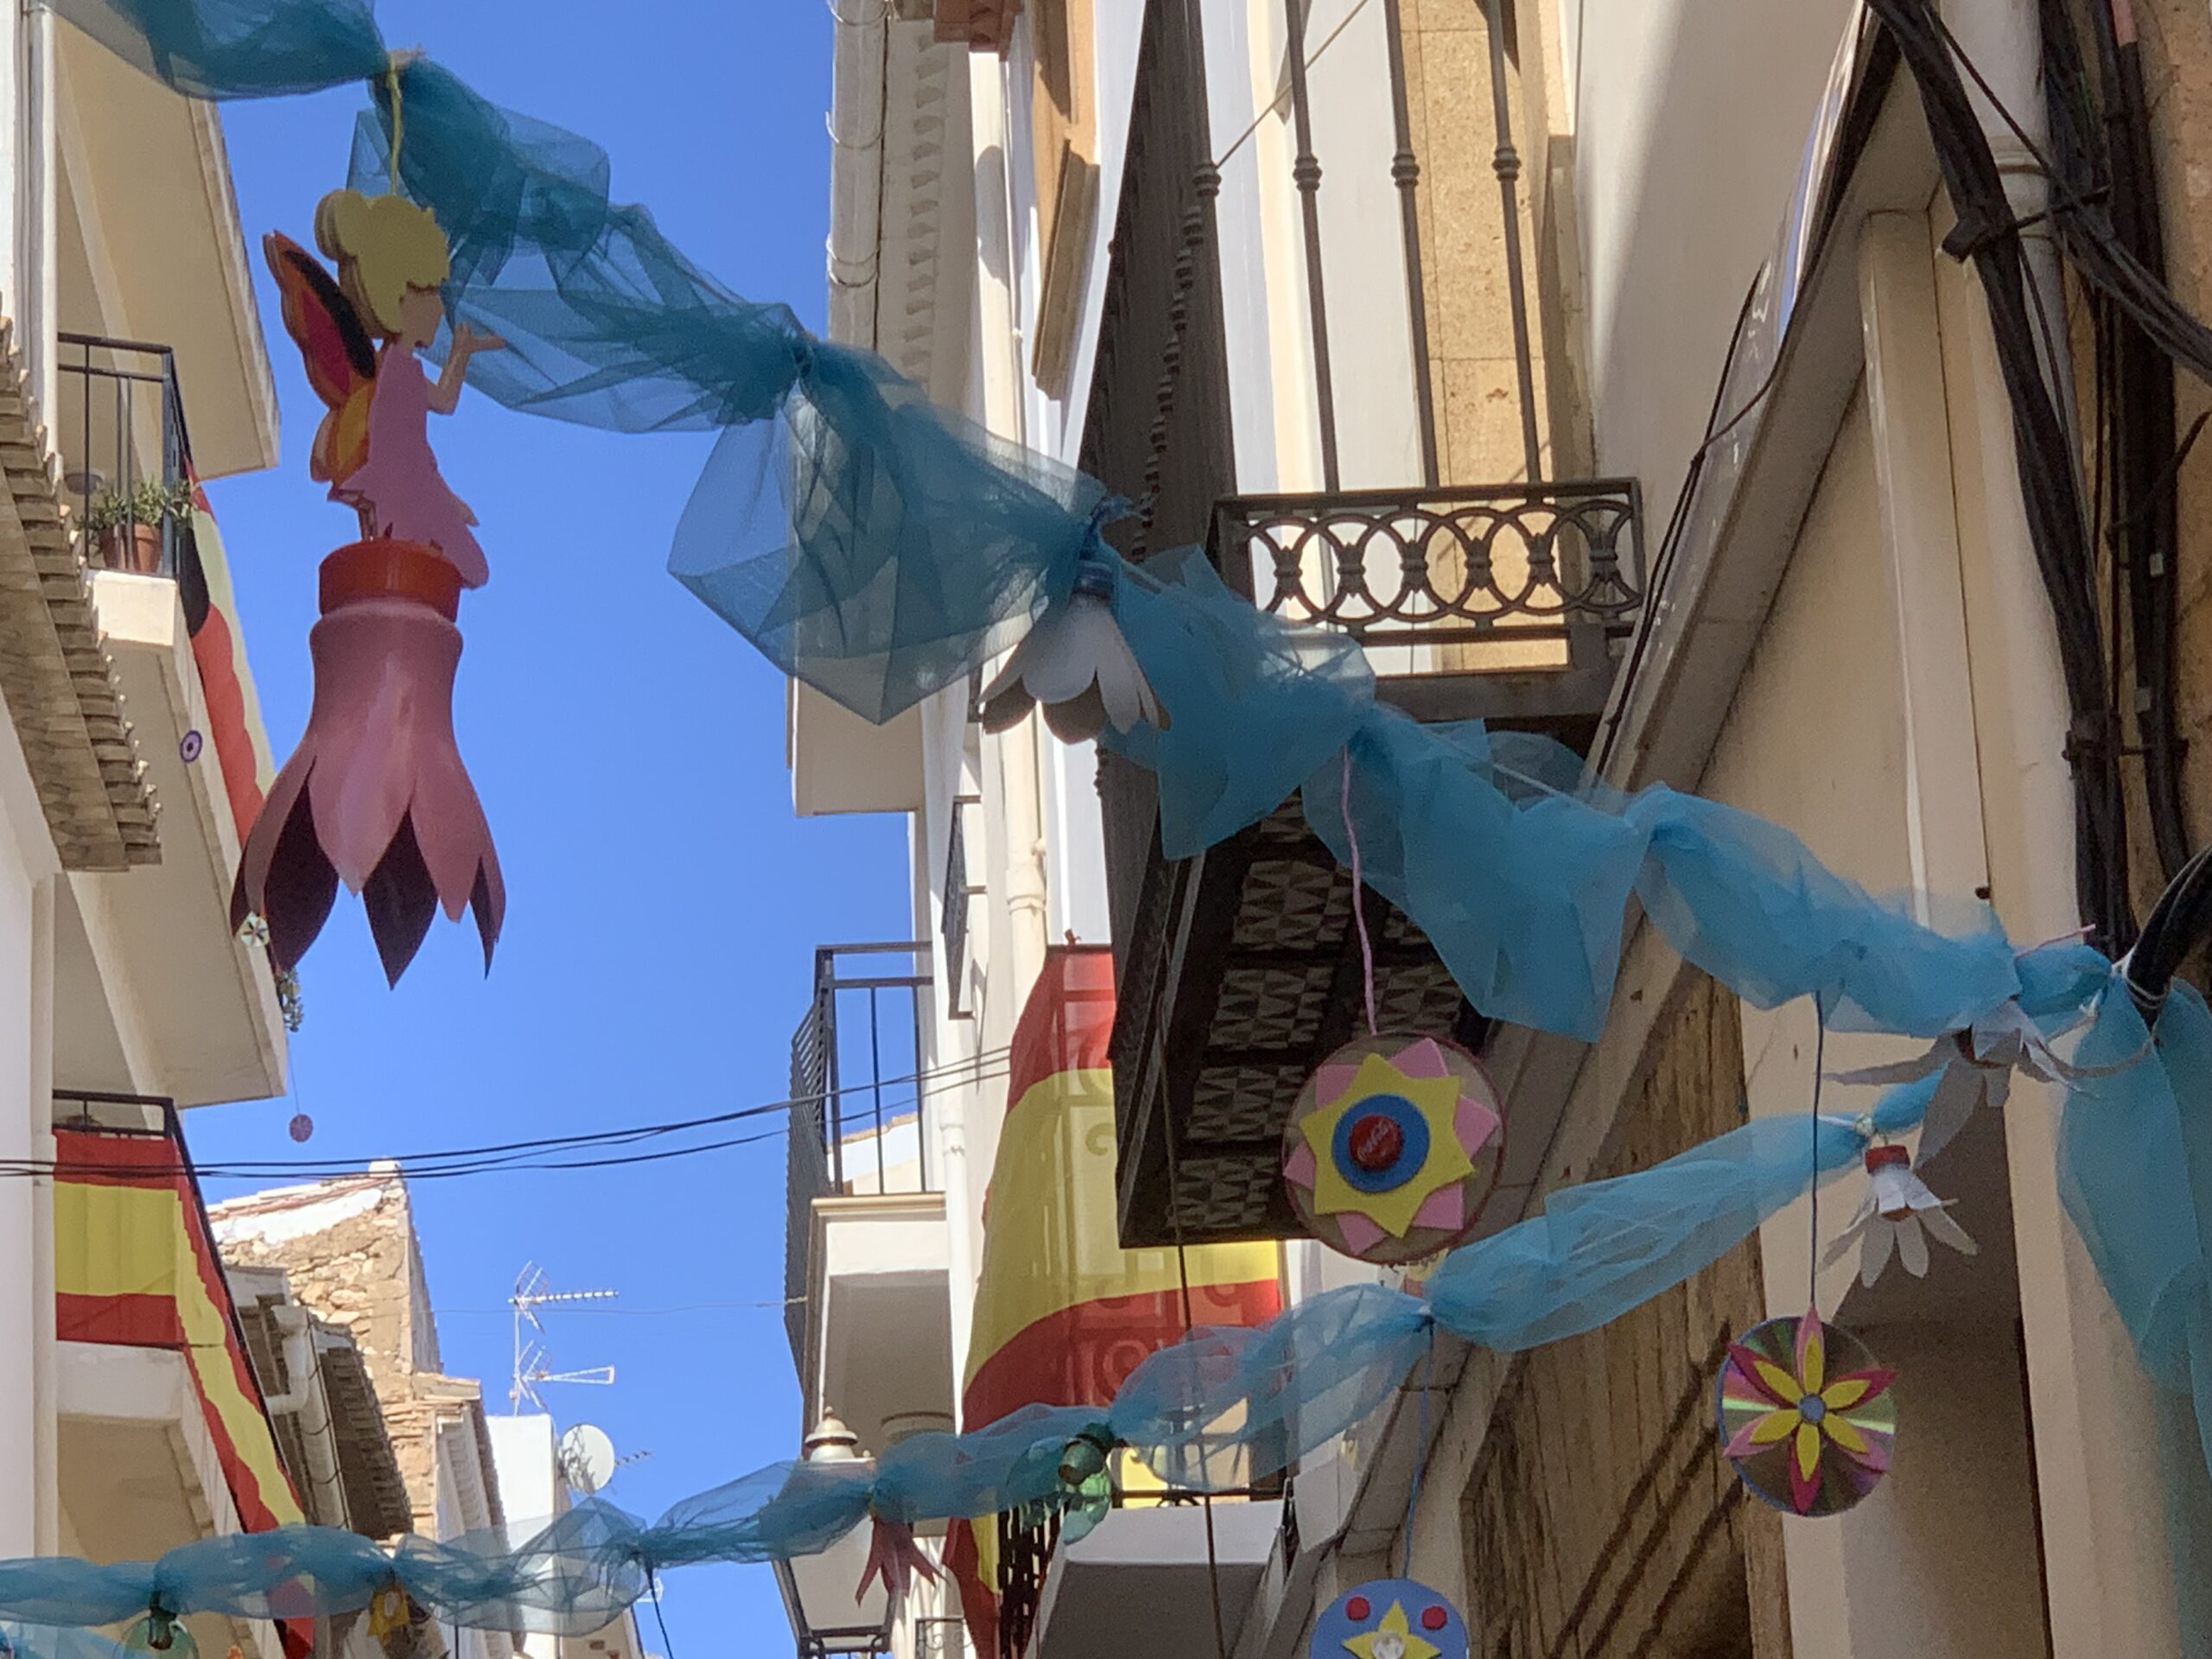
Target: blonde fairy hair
[[384, 246]]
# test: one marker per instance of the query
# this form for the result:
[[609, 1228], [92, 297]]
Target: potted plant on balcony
[[125, 524]]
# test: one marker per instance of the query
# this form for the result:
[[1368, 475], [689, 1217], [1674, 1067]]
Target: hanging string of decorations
[[882, 551]]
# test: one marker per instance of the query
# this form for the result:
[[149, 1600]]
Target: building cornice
[[894, 86]]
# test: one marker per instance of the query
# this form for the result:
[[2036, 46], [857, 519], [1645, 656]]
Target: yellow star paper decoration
[[1436, 1100], [1392, 1639]]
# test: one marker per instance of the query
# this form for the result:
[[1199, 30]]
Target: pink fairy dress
[[376, 795], [399, 483]]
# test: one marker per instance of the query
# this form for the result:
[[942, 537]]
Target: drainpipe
[[999, 315], [1010, 758], [860, 73], [2004, 39], [302, 1369]]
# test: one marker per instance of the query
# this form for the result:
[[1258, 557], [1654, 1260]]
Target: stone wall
[[1600, 1518], [349, 1249], [1470, 360]]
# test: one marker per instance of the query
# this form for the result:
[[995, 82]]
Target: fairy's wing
[[340, 358]]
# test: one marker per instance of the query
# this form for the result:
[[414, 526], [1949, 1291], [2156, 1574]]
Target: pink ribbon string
[[1358, 910]]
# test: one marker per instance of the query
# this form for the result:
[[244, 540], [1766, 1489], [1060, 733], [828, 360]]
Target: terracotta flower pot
[[136, 547]]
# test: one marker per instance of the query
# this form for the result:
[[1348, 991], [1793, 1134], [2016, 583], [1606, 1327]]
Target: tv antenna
[[533, 1363]]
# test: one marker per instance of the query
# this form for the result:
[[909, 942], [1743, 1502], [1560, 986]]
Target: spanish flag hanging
[[203, 581], [1063, 1313], [134, 1266]]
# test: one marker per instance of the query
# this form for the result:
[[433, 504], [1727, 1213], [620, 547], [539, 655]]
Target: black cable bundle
[[2106, 190], [1988, 233]]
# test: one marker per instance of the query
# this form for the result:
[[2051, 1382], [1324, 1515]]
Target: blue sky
[[663, 902]]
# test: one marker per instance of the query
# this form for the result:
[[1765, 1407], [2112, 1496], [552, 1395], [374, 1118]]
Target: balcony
[[1240, 968], [127, 466], [1173, 1560], [164, 1437], [867, 1304], [1393, 333], [201, 1020]]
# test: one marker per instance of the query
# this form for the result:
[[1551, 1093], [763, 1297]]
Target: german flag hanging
[[1063, 1313]]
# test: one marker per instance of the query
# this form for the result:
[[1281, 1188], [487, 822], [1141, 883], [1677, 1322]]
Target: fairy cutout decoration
[[376, 795]]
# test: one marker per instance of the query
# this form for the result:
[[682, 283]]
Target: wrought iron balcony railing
[[1464, 565], [126, 457], [858, 1119]]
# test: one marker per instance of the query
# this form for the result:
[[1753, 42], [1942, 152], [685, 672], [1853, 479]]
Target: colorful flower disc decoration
[[1806, 1417], [1393, 1148], [1390, 1618]]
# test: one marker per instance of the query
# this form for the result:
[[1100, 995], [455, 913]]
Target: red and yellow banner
[[134, 1265], [211, 614], [1063, 1313]]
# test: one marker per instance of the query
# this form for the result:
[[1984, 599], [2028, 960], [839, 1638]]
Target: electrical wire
[[937, 1077], [539, 1154], [2108, 160]]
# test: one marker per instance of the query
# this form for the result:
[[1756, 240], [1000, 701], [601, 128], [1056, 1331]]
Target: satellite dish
[[587, 1458]]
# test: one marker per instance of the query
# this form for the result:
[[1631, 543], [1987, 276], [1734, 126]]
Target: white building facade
[[131, 366]]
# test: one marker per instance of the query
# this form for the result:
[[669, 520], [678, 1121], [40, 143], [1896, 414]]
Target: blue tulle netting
[[880, 550], [1223, 1408]]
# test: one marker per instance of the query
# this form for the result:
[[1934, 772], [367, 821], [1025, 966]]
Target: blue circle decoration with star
[[1390, 1618], [1413, 1143]]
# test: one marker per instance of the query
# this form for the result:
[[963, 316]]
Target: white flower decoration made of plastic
[[1077, 665], [1896, 1218], [1977, 1066]]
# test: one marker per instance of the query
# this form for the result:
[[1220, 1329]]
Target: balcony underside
[[1216, 1041], [1239, 969], [1171, 1561]]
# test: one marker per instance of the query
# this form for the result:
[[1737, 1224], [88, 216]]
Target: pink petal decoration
[[1876, 1461], [1445, 1209], [1298, 1168], [1422, 1059], [1474, 1123], [1361, 1235], [1333, 1082]]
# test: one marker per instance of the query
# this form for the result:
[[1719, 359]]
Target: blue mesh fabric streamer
[[879, 550], [1523, 899], [237, 49], [2135, 1174], [59, 1642], [1601, 1249], [784, 1510], [2061, 982], [865, 541], [1229, 1406], [292, 1572], [1225, 1407], [1254, 703], [568, 1578], [999, 1466], [60, 1590], [869, 547], [1746, 901]]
